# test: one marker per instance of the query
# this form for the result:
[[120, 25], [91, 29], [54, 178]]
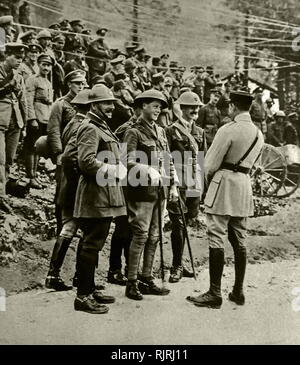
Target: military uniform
[[27, 69], [144, 199], [210, 120], [62, 112], [98, 56], [189, 140], [210, 83], [39, 97], [95, 205], [228, 201], [67, 193], [12, 115]]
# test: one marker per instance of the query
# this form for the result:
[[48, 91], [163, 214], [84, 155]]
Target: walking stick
[[160, 227], [187, 235]]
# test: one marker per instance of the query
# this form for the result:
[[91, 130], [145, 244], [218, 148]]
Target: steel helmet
[[100, 92], [189, 98], [44, 34], [151, 94], [280, 113]]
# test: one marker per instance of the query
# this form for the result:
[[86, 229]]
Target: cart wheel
[[291, 182], [269, 175]]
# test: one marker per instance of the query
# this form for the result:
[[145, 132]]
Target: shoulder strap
[[249, 150], [187, 134]]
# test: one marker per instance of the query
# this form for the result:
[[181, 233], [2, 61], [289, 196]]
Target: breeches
[[144, 222], [222, 228]]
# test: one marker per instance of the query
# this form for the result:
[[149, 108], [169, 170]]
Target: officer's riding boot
[[240, 262], [212, 298], [177, 241], [132, 290], [53, 280], [86, 266]]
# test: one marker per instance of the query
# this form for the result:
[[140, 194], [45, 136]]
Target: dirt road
[[270, 315]]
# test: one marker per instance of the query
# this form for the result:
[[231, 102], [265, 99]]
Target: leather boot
[[212, 298], [240, 262], [90, 305], [176, 274], [148, 286], [53, 280], [87, 262], [116, 277], [132, 290]]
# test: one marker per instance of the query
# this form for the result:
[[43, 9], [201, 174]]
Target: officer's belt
[[235, 168], [42, 101]]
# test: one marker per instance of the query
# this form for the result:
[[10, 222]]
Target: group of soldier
[[75, 100]]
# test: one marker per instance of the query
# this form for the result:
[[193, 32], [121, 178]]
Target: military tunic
[[210, 120], [62, 112], [229, 192], [228, 201], [26, 69]]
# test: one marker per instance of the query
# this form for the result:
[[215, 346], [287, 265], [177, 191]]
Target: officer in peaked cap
[[101, 32], [70, 178], [61, 113], [46, 58], [54, 26], [39, 96], [143, 200], [77, 25], [210, 116], [13, 111], [28, 37], [229, 202], [65, 25], [186, 137], [93, 136], [75, 76], [29, 65]]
